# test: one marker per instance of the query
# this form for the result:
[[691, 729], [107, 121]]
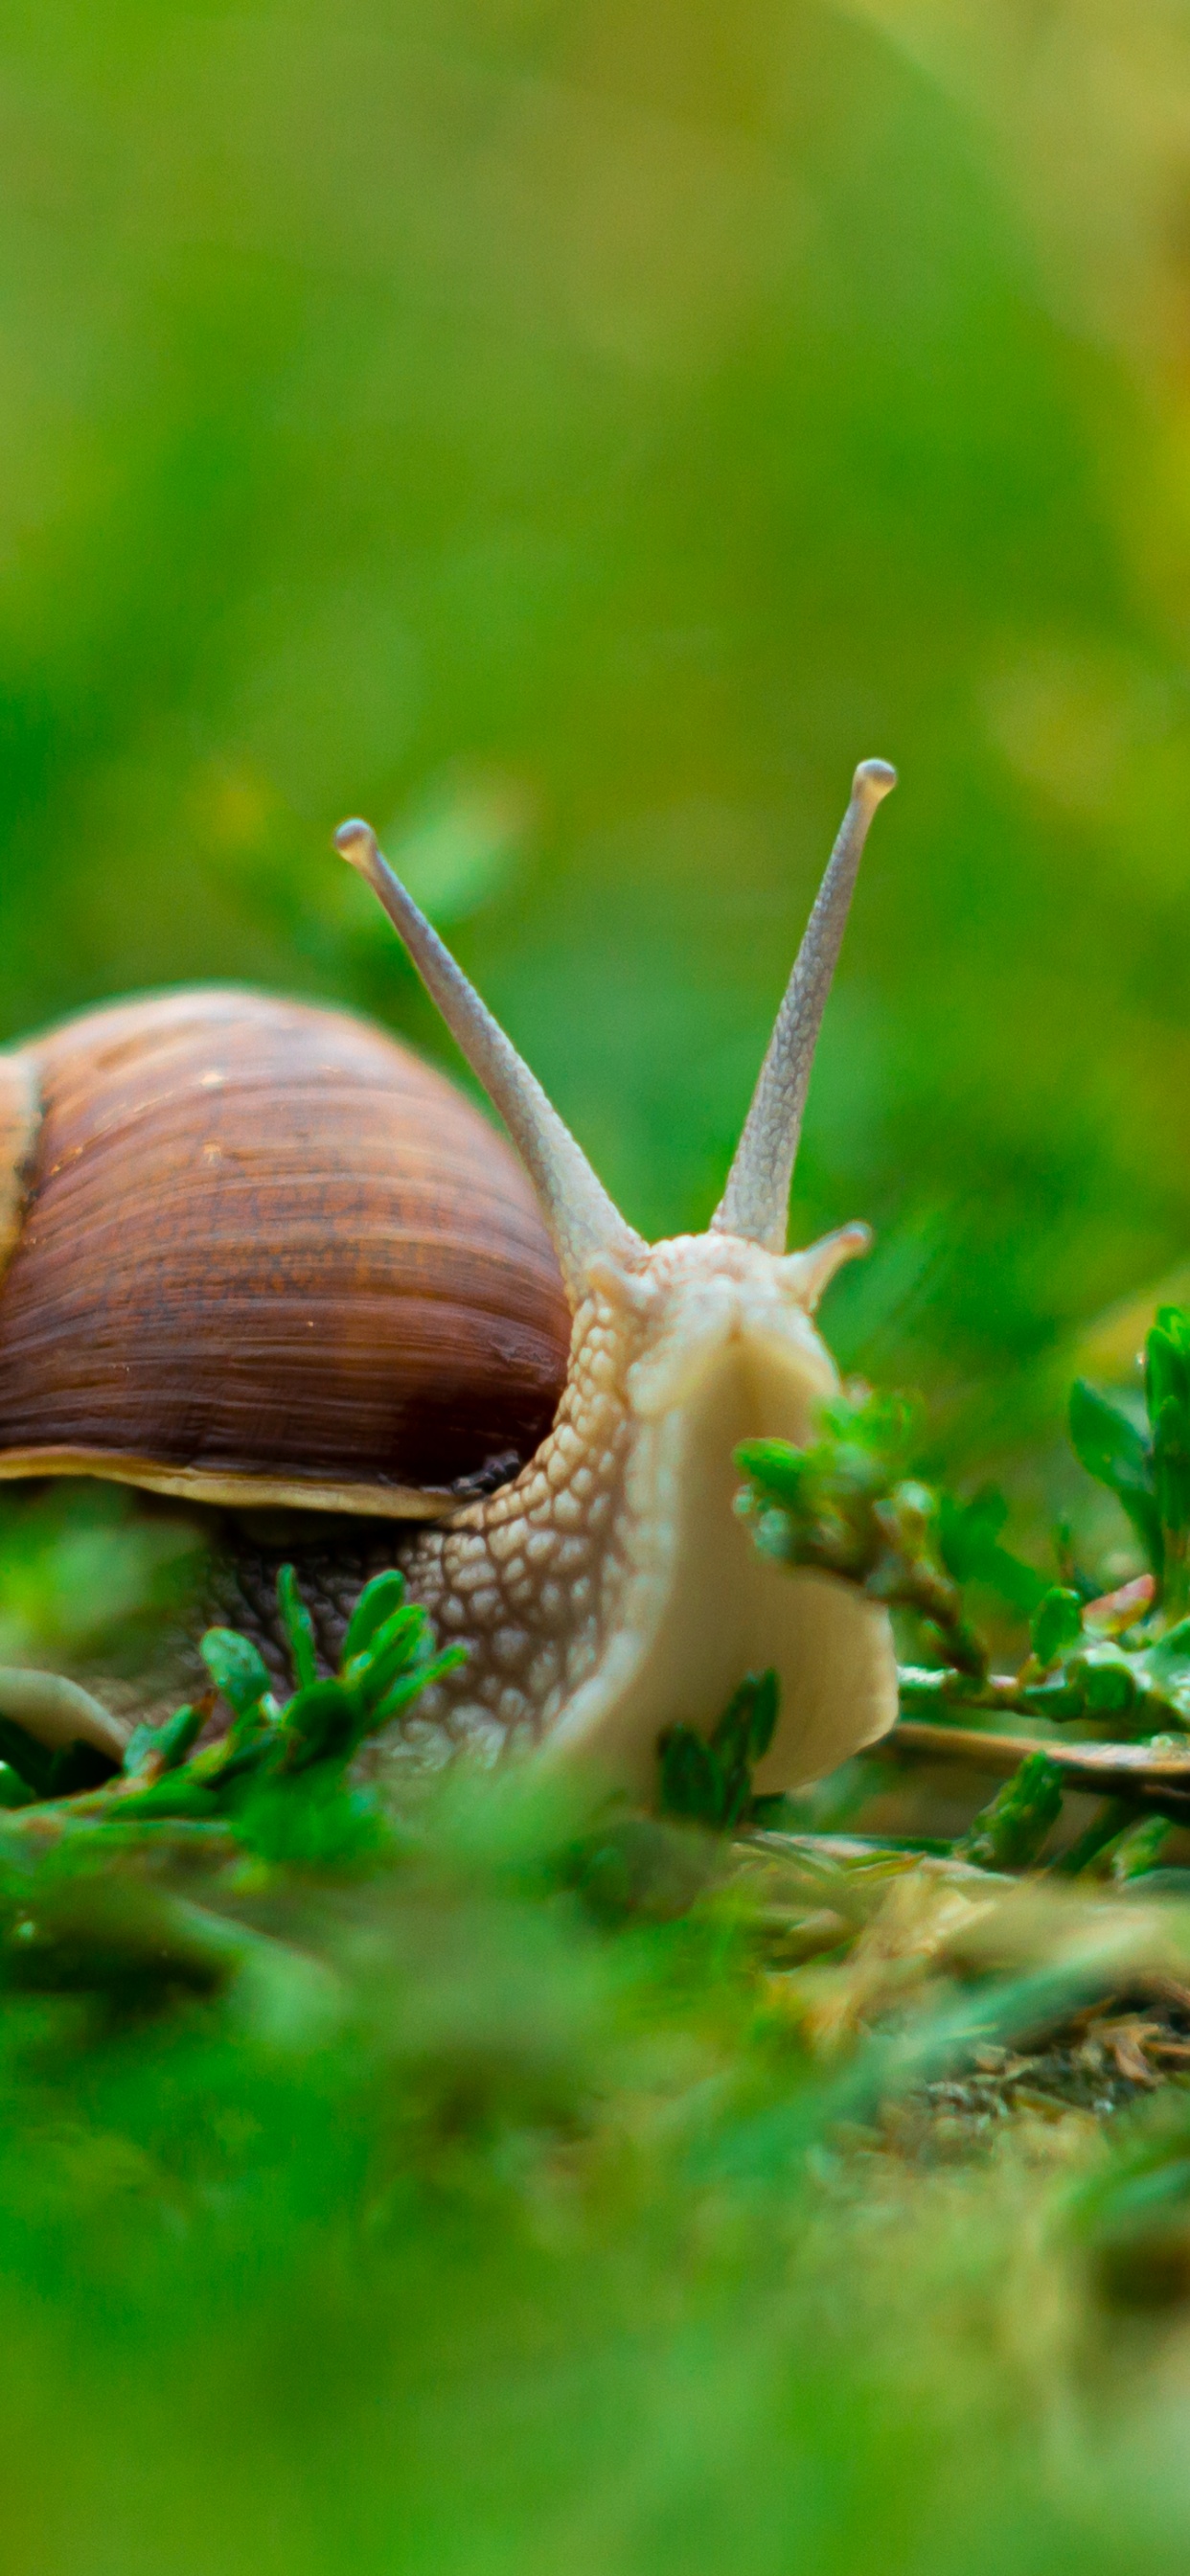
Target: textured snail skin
[[261, 1253], [612, 1587]]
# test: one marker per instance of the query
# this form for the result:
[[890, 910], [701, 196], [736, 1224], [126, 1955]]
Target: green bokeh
[[573, 432], [573, 435]]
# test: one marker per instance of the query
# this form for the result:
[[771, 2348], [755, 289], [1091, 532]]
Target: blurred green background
[[573, 434]]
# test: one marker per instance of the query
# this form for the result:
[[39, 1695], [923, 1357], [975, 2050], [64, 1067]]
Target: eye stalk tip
[[356, 842], [756, 1200], [874, 779], [855, 1239], [809, 1272]]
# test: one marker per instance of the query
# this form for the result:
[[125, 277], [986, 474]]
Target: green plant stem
[[926, 1687]]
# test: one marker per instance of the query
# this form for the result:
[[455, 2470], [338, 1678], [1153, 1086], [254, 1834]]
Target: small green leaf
[[405, 1639], [410, 1685], [167, 1745], [1164, 1668], [1112, 1450], [711, 1783], [140, 1749], [1167, 1364], [746, 1728], [736, 1794], [969, 1545], [299, 1627], [766, 1704], [1106, 1440], [1106, 1677], [1057, 1622], [883, 1424], [1168, 1661], [692, 1783], [325, 1822], [1140, 1849], [323, 1721], [183, 1793], [237, 1668], [1171, 1463], [732, 1734], [376, 1604], [777, 1467], [179, 1734], [1009, 1833], [251, 1742]]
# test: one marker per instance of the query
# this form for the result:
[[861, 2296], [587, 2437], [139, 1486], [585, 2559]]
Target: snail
[[256, 1253]]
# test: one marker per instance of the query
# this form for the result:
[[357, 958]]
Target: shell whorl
[[20, 1122], [268, 1256]]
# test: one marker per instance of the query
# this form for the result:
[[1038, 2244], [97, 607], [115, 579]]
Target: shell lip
[[229, 1486]]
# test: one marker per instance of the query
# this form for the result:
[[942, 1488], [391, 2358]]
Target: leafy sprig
[[845, 1502], [1148, 1471], [709, 1781], [848, 1501], [248, 1775]]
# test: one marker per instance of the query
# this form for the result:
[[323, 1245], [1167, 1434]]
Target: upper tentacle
[[755, 1202], [581, 1217]]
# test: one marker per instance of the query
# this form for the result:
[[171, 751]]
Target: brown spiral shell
[[255, 1251]]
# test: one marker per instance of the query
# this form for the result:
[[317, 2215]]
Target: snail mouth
[[702, 1607]]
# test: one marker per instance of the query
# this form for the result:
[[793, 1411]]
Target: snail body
[[611, 1588], [353, 1298]]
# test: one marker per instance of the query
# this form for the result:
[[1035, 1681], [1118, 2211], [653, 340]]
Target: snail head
[[693, 1301]]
